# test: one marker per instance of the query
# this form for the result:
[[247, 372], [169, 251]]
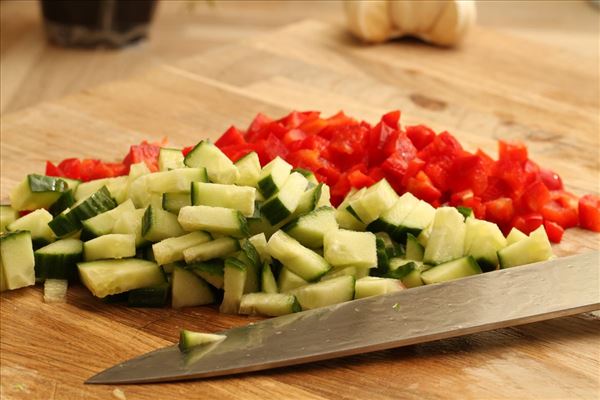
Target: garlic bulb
[[444, 23]]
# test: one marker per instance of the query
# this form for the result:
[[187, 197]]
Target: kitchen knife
[[498, 299]]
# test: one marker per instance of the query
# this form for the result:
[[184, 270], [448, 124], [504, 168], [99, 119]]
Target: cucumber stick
[[299, 259], [283, 203], [219, 167], [37, 191], [189, 289], [37, 224], [58, 260], [344, 248], [249, 170], [189, 339], [447, 238], [214, 220], [451, 270], [325, 293], [170, 159], [376, 200], [114, 245], [269, 304], [171, 249], [239, 198], [7, 215], [158, 224], [273, 176], [375, 286], [536, 247], [16, 260]]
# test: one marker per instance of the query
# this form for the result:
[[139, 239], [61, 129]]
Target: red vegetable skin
[[554, 231], [589, 212]]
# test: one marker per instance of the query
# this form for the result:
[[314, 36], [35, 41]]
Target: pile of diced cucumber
[[266, 241]]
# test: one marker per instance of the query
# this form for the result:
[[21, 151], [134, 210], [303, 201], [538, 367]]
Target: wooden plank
[[48, 350]]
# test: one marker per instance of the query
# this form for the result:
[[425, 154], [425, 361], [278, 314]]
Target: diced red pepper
[[551, 179], [422, 187], [392, 119], [535, 196], [528, 223], [420, 135], [468, 172], [53, 170], [146, 152], [512, 151], [500, 211], [562, 209], [589, 212], [554, 231], [232, 136], [359, 180]]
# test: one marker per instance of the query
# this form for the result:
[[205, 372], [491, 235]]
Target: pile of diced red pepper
[[512, 191]]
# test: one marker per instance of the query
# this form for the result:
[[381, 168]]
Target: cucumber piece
[[37, 191], [66, 200], [239, 198], [283, 203], [131, 222], [175, 180], [16, 260], [114, 245], [219, 167], [376, 200], [514, 236], [356, 272], [288, 281], [417, 220], [98, 203], [309, 175], [103, 224], [483, 240], [344, 218], [211, 271], [273, 176], [7, 215], [36, 223], [220, 247], [414, 250], [214, 219], [173, 202], [190, 339], [259, 241], [189, 290], [343, 248], [447, 240], [170, 159], [325, 293], [58, 260], [533, 249], [309, 229], [312, 198], [390, 221], [108, 277], [408, 271], [299, 259], [55, 290], [64, 224], [153, 296], [374, 286], [267, 279], [158, 224], [136, 186], [451, 270], [234, 283], [117, 188], [249, 169], [171, 249], [269, 304], [467, 212]]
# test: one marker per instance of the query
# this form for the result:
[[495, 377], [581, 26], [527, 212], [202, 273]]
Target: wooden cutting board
[[495, 86]]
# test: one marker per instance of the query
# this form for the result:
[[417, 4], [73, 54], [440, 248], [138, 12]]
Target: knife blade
[[536, 292]]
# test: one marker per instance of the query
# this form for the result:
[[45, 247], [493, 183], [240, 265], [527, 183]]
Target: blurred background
[[34, 70]]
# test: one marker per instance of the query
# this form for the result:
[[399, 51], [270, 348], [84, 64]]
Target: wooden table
[[495, 86]]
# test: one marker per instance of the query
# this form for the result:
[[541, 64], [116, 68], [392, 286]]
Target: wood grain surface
[[495, 86]]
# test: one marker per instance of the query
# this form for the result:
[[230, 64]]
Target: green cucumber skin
[[274, 211], [154, 296], [57, 266], [147, 219], [65, 201], [267, 187], [64, 224], [41, 183], [99, 202], [383, 260]]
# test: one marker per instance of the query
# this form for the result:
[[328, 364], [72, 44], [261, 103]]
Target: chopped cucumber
[[249, 169], [483, 240], [58, 260], [309, 175], [269, 304], [36, 223], [153, 296], [175, 180], [273, 176], [190, 339], [283, 203], [211, 271], [219, 167], [97, 203], [297, 258], [408, 271], [532, 249], [37, 191], [374, 286], [356, 272], [214, 219], [325, 293], [16, 260], [391, 220], [115, 186], [170, 159], [55, 290], [375, 201], [514, 236], [107, 277], [309, 229], [114, 245], [451, 270], [171, 249], [239, 198], [189, 290], [343, 248], [259, 241], [414, 250], [208, 250], [416, 221], [267, 279], [7, 215], [288, 280], [447, 238], [103, 224], [131, 222], [344, 218], [234, 283], [173, 202], [158, 224], [66, 200], [64, 224]]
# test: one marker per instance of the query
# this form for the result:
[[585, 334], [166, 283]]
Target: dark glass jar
[[93, 23]]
